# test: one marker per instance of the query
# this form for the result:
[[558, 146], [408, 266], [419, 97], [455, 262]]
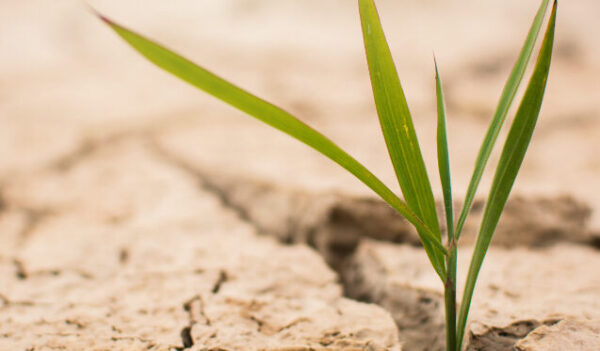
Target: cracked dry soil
[[139, 269], [136, 214]]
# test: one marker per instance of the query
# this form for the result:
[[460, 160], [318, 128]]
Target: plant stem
[[450, 296]]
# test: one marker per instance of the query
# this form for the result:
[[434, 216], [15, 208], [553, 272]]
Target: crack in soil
[[220, 281], [195, 310], [194, 306], [293, 324], [259, 323], [186, 338], [332, 224], [204, 181], [595, 241], [6, 302], [504, 339], [90, 145], [22, 273]]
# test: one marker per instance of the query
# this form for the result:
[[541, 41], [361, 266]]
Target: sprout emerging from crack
[[418, 206]]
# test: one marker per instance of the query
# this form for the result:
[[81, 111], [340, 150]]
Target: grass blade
[[511, 159], [444, 170], [267, 113], [443, 157], [398, 130], [506, 100]]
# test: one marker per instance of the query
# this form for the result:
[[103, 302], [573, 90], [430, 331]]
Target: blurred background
[[67, 82]]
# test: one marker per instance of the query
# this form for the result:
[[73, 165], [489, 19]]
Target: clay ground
[[138, 213]]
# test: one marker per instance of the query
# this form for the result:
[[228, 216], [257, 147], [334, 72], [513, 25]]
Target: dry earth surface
[[139, 214]]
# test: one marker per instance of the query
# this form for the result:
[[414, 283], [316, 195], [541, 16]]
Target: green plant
[[403, 147]]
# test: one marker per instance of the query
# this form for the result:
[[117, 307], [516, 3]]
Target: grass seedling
[[418, 206]]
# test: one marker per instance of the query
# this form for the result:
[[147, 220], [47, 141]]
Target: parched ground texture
[[139, 214]]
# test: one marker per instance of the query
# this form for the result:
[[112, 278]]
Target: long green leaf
[[269, 114], [506, 100], [443, 157], [398, 130], [444, 170], [510, 161]]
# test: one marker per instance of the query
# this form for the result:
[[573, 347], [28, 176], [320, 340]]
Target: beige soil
[[134, 208]]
